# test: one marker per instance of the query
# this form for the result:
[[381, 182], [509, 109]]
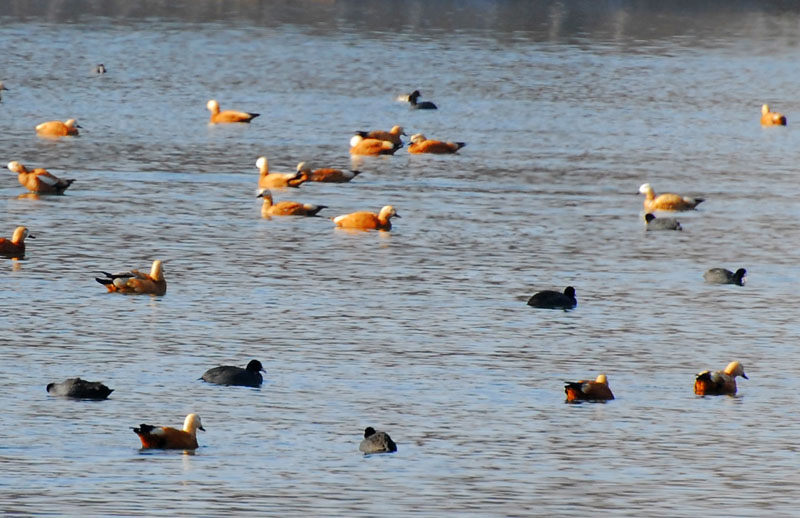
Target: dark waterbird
[[376, 442], [723, 276], [550, 299], [250, 376], [78, 388], [416, 105]]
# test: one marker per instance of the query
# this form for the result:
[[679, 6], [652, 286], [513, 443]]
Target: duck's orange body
[[371, 146], [420, 144], [165, 437], [666, 202], [718, 383], [771, 118], [368, 220], [327, 174], [267, 180], [393, 135], [57, 128], [15, 247], [228, 116], [286, 208], [588, 390], [136, 282], [39, 180]]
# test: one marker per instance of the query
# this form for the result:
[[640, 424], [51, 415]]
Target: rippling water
[[567, 107]]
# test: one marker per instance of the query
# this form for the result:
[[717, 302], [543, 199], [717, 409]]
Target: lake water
[[566, 108]]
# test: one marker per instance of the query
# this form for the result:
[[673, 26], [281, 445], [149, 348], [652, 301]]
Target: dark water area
[[566, 109]]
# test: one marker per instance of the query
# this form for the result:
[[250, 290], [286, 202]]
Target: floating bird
[[717, 383], [228, 115], [286, 208], [770, 118], [376, 442], [267, 180], [100, 69], [78, 388], [39, 180], [368, 220], [587, 390], [415, 105], [723, 276], [420, 144], [164, 437], [136, 282], [2, 87], [372, 146], [250, 376], [15, 247], [670, 202], [55, 129], [550, 299], [328, 175], [653, 223], [393, 135]]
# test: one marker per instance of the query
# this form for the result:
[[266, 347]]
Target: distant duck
[[268, 180], [2, 87], [15, 247], [39, 180], [770, 118], [78, 388], [372, 146], [667, 202], [420, 144], [286, 208], [717, 383], [416, 105], [587, 390], [136, 282], [328, 175], [368, 220], [250, 376], [653, 223], [100, 69], [376, 442], [393, 135], [723, 276], [227, 116], [549, 299], [167, 438], [55, 129]]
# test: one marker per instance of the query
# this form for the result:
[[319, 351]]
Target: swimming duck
[[268, 180], [250, 376], [15, 247], [371, 146], [100, 69], [393, 135], [39, 180], [328, 175], [376, 442], [723, 276], [653, 223], [164, 437], [56, 129], [368, 220], [420, 144], [136, 282], [587, 390], [669, 202], [770, 118], [286, 208], [717, 383], [78, 388], [228, 115], [550, 299], [415, 105]]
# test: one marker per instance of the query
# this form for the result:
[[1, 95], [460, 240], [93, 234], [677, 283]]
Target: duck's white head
[[645, 188], [764, 109], [212, 105], [71, 123], [262, 163], [20, 233], [735, 369], [418, 137], [397, 130], [192, 424], [14, 166], [388, 212], [157, 270], [356, 140], [303, 167], [266, 194], [601, 378]]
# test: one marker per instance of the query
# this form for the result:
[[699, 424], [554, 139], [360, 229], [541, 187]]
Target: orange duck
[[268, 180], [57, 129], [165, 437], [666, 202], [136, 282], [420, 144], [586, 390], [368, 220], [15, 247], [372, 146], [39, 180], [393, 135], [218, 117], [327, 174], [770, 118], [717, 383], [286, 208]]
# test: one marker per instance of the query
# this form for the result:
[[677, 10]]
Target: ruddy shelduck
[[229, 375], [286, 208], [327, 174], [587, 390], [666, 202], [723, 276], [717, 383], [416, 105], [55, 129], [39, 180], [770, 118], [372, 146], [393, 135], [136, 282], [167, 438], [551, 299], [654, 223], [15, 247], [267, 180], [376, 442], [78, 388], [368, 220], [226, 116], [420, 144]]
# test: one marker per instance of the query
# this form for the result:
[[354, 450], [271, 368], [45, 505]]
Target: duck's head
[[255, 366], [735, 369], [157, 270], [192, 424], [14, 166], [601, 378], [212, 105], [388, 212]]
